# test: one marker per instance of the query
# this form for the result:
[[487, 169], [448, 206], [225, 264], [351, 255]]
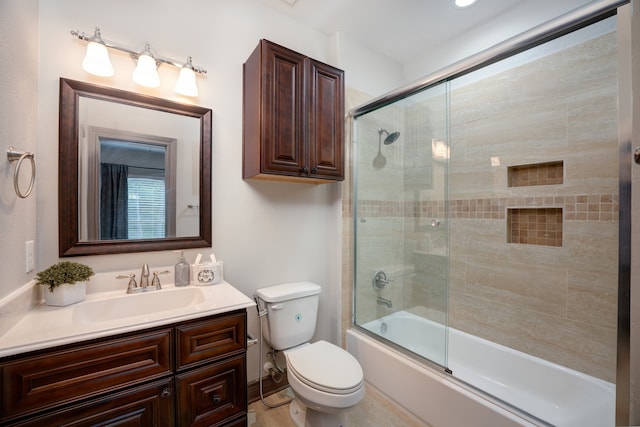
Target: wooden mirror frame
[[68, 210]]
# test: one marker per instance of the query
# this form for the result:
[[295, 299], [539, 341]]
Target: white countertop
[[46, 326]]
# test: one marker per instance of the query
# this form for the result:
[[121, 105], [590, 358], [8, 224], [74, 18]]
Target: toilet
[[326, 380]]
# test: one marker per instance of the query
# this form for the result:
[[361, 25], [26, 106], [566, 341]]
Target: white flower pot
[[65, 294]]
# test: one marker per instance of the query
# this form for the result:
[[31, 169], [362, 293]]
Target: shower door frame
[[558, 27]]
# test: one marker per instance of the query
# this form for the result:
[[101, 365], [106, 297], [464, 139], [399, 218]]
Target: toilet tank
[[292, 310]]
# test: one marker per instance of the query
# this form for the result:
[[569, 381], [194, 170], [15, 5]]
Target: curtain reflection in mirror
[[114, 216]]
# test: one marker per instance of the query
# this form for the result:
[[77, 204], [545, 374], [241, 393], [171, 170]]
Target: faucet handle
[[156, 280], [380, 280], [132, 282]]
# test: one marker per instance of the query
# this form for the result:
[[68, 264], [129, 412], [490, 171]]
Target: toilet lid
[[326, 367]]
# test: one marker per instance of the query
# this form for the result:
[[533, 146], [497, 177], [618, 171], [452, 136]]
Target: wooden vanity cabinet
[[211, 379], [189, 374], [293, 117]]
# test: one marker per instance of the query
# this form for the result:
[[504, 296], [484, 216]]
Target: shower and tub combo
[[486, 237]]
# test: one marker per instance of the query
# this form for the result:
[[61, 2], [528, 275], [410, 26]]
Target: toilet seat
[[326, 367]]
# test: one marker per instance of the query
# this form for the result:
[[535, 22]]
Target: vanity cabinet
[[293, 117], [189, 374]]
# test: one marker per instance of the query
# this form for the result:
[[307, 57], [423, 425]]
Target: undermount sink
[[142, 304]]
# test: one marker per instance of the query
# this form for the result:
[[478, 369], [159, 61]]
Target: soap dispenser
[[182, 272]]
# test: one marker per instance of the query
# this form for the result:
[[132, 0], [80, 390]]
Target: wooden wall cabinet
[[293, 117], [189, 374]]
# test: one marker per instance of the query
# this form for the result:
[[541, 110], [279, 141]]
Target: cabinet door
[[212, 395], [283, 120], [326, 121], [150, 405]]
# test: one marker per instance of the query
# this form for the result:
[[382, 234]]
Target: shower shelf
[[549, 173], [535, 226]]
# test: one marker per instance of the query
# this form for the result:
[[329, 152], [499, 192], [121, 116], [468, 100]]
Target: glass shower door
[[401, 155]]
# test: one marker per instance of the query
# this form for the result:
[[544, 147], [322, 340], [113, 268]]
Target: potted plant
[[66, 282]]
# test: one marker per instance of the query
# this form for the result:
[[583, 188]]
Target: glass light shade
[[146, 73], [96, 60], [186, 84]]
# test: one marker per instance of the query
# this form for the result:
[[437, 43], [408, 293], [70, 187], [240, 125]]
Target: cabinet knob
[[305, 170], [314, 171], [166, 392], [216, 399]]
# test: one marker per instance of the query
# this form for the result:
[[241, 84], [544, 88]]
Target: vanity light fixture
[[461, 4], [96, 62]]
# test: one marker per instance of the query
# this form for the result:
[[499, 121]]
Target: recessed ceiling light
[[461, 4]]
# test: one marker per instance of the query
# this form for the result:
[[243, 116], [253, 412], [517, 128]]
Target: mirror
[[134, 172]]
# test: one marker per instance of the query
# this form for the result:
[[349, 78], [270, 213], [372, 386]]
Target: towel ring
[[19, 156]]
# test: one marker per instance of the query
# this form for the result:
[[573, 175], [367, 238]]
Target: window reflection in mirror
[[135, 194], [132, 156]]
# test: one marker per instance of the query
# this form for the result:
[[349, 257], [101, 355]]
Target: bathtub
[[541, 390]]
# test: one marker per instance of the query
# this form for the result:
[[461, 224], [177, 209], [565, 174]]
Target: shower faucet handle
[[380, 280]]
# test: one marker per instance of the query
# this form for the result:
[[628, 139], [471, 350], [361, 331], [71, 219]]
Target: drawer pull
[[166, 392], [216, 399]]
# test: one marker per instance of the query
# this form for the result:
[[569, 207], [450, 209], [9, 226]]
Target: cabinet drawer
[[149, 405], [213, 394], [37, 382], [210, 340]]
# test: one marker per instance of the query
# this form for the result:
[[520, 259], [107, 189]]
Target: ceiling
[[399, 28]]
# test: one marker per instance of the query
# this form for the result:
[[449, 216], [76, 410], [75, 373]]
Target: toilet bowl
[[326, 380]]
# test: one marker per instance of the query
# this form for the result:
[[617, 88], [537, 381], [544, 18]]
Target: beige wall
[[18, 127]]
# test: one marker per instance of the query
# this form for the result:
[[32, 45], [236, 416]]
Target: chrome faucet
[[384, 301], [144, 276], [134, 288]]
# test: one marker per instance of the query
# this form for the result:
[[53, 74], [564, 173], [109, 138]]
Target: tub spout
[[384, 301]]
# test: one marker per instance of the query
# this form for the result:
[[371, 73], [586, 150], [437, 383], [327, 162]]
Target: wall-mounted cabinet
[[293, 117]]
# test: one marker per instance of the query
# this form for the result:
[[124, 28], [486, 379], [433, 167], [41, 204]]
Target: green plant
[[64, 272]]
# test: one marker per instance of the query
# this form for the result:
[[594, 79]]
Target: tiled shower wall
[[555, 302], [558, 302]]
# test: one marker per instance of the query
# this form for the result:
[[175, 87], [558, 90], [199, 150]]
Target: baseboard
[[269, 386]]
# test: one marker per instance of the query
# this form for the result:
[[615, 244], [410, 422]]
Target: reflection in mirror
[[132, 187], [141, 167]]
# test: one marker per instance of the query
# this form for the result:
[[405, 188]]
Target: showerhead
[[390, 138]]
